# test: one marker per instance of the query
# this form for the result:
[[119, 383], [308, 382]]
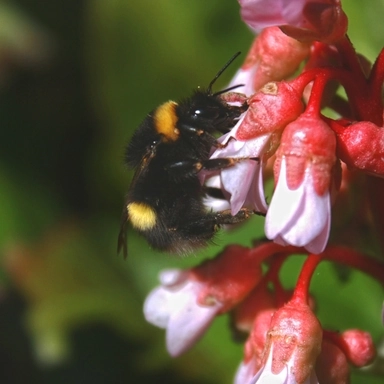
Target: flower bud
[[264, 60], [361, 145], [293, 345], [270, 110], [331, 365], [360, 348]]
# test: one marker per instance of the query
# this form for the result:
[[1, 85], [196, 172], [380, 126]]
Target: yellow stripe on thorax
[[165, 121], [141, 215]]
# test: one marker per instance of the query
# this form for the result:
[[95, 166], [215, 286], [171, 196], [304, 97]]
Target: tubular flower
[[173, 306], [300, 210], [244, 181], [262, 65], [187, 301], [299, 217], [304, 20], [292, 346], [253, 350], [254, 139]]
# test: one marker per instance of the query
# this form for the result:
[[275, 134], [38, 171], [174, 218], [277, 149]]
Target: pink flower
[[187, 301], [292, 346], [253, 354], [254, 139], [173, 306], [244, 181], [304, 20], [285, 376], [263, 63], [300, 209], [299, 216], [260, 14]]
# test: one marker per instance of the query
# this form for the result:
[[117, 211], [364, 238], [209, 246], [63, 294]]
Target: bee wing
[[122, 239], [140, 171]]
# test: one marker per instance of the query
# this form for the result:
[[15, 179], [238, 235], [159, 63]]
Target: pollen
[[165, 121], [142, 216]]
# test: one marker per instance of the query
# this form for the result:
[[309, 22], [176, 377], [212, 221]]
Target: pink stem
[[301, 292], [357, 260]]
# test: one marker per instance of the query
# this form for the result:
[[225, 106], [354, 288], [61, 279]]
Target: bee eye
[[206, 113]]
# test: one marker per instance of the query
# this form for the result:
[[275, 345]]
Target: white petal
[[318, 244], [244, 77], [244, 373], [265, 375], [299, 217], [158, 308], [177, 311], [237, 181], [244, 180], [163, 302], [187, 325], [212, 202], [216, 205], [256, 197], [310, 220], [283, 207], [238, 148], [170, 277]]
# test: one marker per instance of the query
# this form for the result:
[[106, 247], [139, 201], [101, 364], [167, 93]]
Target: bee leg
[[192, 131], [226, 217], [187, 168], [221, 163]]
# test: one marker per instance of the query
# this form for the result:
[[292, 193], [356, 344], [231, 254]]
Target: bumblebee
[[167, 151]]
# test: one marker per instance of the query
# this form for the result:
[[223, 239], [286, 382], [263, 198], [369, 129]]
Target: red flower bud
[[270, 110], [360, 348], [361, 145]]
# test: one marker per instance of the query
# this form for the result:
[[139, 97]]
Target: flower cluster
[[285, 340], [295, 66], [285, 128]]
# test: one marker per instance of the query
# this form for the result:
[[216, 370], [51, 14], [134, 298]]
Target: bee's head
[[207, 110]]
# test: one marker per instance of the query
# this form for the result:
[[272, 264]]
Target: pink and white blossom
[[243, 181], [292, 346], [285, 376], [300, 209], [186, 302], [299, 216], [260, 14], [304, 20], [173, 306], [263, 63]]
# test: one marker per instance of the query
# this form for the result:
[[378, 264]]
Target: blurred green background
[[76, 78]]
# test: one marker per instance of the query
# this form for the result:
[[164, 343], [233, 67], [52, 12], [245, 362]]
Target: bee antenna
[[228, 89], [209, 90]]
